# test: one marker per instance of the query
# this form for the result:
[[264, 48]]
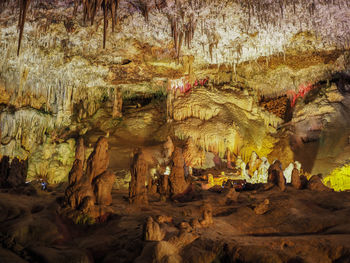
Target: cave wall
[[63, 74]]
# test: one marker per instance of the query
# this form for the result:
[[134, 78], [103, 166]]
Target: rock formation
[[168, 148], [315, 184], [12, 173], [262, 208], [296, 180], [276, 176], [152, 231], [117, 104], [89, 191], [139, 173], [177, 180], [207, 217], [229, 160], [103, 185], [230, 197], [253, 163], [193, 156]]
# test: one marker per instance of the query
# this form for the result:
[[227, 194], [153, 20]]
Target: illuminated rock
[[117, 104], [207, 215], [315, 184], [152, 231], [177, 180], [139, 172], [263, 170], [339, 179], [253, 163], [296, 180], [92, 186], [193, 156], [262, 208], [275, 175]]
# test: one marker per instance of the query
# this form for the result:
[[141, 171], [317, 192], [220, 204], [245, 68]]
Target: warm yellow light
[[339, 179]]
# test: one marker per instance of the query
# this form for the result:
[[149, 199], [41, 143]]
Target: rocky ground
[[254, 226]]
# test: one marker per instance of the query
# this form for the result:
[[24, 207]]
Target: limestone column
[[118, 104]]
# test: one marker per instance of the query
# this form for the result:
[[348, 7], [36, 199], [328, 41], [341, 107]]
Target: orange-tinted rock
[[168, 147], [275, 175], [296, 181], [315, 184], [229, 160], [177, 180], [152, 231], [164, 219], [164, 185], [92, 186], [117, 104], [207, 215], [193, 156], [98, 160], [5, 96], [262, 208], [231, 196], [77, 170], [103, 185], [139, 172]]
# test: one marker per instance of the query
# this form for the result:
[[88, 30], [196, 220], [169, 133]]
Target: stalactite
[[90, 9], [104, 22], [24, 5]]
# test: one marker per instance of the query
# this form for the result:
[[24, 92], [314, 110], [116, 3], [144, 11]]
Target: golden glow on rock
[[339, 179]]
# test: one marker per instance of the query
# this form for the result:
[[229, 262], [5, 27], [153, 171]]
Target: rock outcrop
[[296, 180], [139, 173], [152, 231], [262, 208], [89, 192], [207, 214], [315, 184], [231, 196], [193, 156], [117, 104], [177, 180], [276, 176], [12, 173]]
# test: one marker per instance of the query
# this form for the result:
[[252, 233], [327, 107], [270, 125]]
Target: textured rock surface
[[139, 173], [315, 184], [152, 231], [92, 186], [275, 175], [13, 173], [296, 181], [177, 180], [262, 208], [102, 185], [64, 76]]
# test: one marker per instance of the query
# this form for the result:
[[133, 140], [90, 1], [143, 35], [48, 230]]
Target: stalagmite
[[177, 180], [276, 176], [117, 104], [139, 173], [89, 187]]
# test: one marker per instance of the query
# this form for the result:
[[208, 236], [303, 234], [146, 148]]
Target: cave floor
[[299, 226]]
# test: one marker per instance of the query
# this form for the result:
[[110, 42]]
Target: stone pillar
[[177, 180], [117, 104], [137, 188]]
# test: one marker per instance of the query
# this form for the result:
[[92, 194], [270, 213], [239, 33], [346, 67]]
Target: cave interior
[[174, 131]]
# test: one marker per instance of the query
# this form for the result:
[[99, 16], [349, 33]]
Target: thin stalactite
[[23, 4], [90, 9]]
